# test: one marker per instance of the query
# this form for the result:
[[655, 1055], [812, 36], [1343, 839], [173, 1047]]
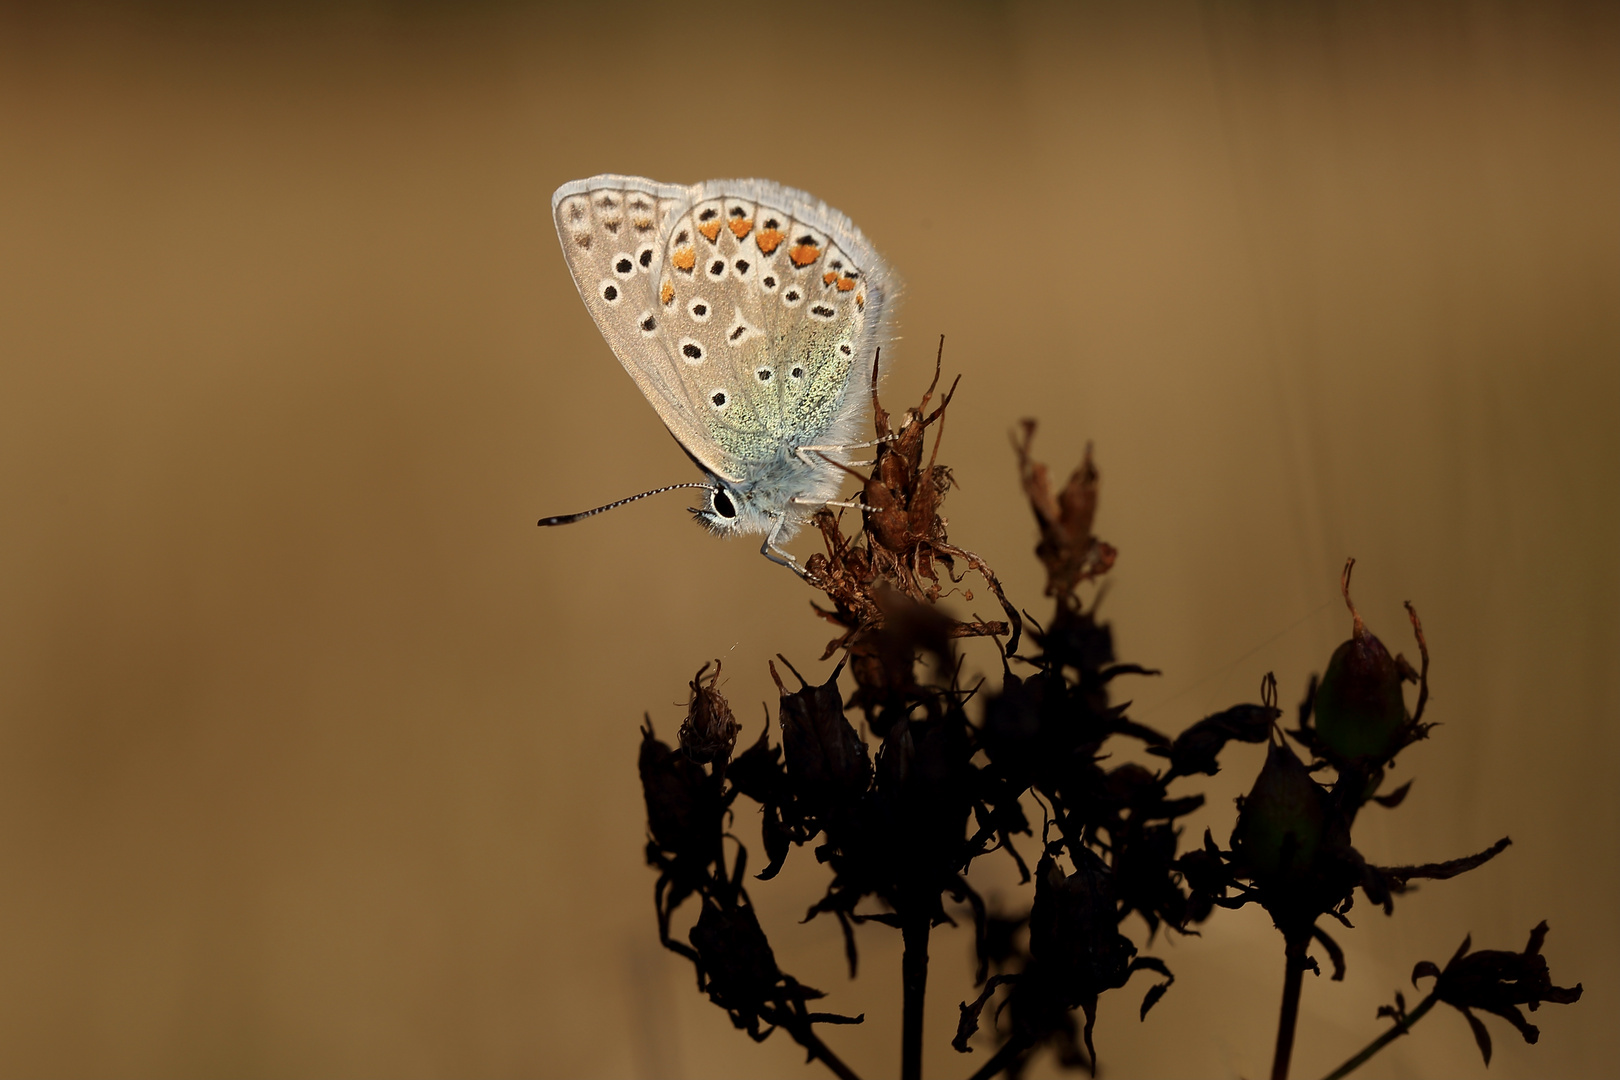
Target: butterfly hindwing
[[776, 301]]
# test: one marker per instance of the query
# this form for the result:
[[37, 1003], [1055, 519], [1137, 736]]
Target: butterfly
[[750, 315]]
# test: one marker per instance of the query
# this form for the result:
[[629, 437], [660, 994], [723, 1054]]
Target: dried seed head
[[1068, 550], [709, 731], [683, 804], [1497, 981], [1360, 710], [827, 761], [1281, 824]]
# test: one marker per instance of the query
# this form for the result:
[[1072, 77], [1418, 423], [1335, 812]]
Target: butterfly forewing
[[612, 232]]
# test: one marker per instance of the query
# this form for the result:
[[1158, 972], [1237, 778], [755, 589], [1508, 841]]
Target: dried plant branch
[[898, 808]]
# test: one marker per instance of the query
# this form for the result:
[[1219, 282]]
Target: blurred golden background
[[317, 758]]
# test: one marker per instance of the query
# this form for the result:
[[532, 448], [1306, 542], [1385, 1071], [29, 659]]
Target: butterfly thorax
[[781, 487]]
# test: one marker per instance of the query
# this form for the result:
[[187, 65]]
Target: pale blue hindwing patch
[[748, 314]]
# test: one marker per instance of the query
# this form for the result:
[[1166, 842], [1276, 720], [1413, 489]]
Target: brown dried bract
[[904, 542], [903, 496], [1068, 550], [710, 731]]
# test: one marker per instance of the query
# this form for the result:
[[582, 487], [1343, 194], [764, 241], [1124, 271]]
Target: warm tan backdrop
[[317, 758]]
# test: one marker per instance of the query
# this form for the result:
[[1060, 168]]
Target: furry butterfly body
[[749, 314]]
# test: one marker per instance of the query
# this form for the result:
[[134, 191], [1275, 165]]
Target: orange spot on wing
[[829, 277], [860, 300], [846, 284], [684, 259], [666, 294], [740, 227], [804, 254], [769, 240], [710, 230]]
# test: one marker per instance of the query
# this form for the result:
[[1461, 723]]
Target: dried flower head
[[709, 732], [1068, 550], [903, 544], [1498, 981]]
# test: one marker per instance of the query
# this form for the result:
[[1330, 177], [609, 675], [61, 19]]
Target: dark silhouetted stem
[[1293, 980], [1001, 1060], [1384, 1040], [807, 1038], [914, 984]]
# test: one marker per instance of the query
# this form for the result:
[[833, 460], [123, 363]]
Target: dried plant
[[955, 768]]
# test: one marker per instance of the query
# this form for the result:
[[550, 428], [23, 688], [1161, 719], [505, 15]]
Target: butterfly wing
[[748, 313], [612, 230], [774, 305]]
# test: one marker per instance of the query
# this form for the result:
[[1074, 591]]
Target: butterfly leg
[[849, 504], [776, 554], [805, 451]]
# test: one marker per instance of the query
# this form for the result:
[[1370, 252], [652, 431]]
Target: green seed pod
[[1280, 827], [1359, 706]]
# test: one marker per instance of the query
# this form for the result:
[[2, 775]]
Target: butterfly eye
[[717, 268], [764, 374], [723, 505], [698, 309], [692, 351], [797, 373], [792, 297], [767, 282], [649, 325], [719, 399], [609, 292], [622, 265], [644, 257]]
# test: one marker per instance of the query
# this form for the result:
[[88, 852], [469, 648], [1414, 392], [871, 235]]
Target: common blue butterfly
[[750, 315]]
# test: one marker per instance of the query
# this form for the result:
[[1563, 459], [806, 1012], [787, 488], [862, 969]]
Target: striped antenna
[[569, 519]]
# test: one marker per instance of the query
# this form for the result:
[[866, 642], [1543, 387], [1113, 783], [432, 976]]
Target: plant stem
[[914, 985], [1400, 1028], [1001, 1060], [807, 1038], [1293, 979]]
